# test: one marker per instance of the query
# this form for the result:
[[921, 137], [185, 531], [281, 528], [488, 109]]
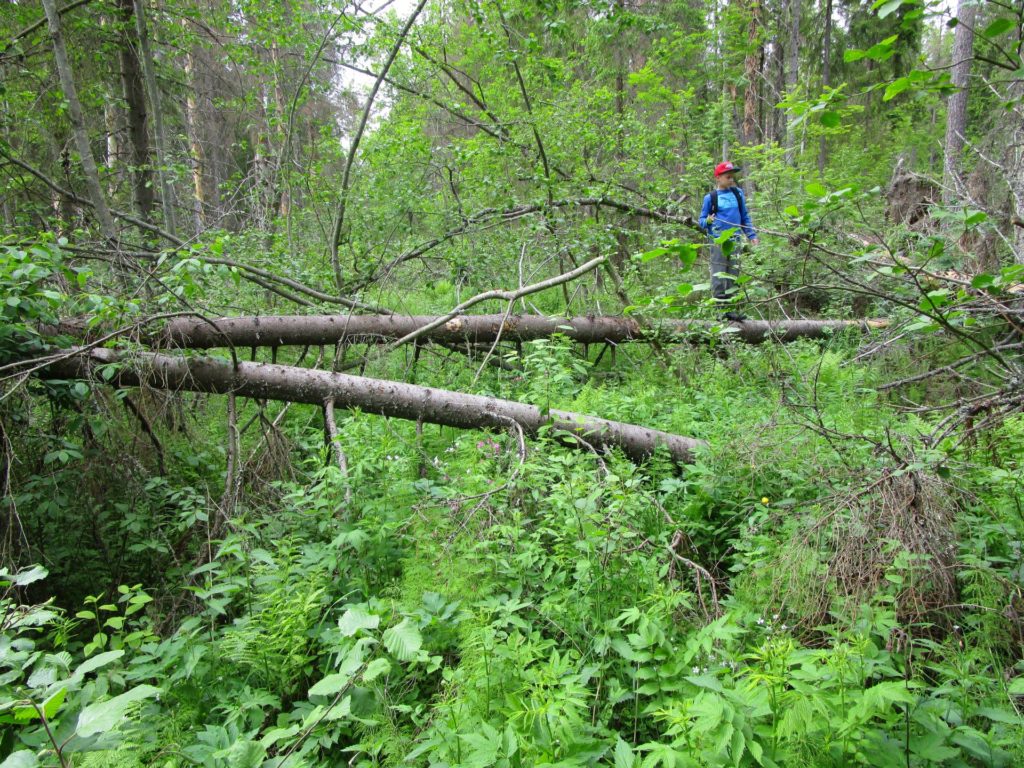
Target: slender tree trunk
[[67, 83], [110, 123], [826, 80], [792, 68], [197, 160], [1013, 161], [387, 398], [159, 135], [752, 74], [956, 110], [8, 207], [111, 156], [135, 99]]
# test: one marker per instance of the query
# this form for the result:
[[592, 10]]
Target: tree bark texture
[[281, 330], [792, 69], [134, 93], [956, 108], [386, 398], [159, 134], [752, 74], [197, 159], [67, 84], [826, 80]]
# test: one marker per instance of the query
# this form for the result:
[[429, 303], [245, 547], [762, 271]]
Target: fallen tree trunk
[[387, 398], [281, 330]]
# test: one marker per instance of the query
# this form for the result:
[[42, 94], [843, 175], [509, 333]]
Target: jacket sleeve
[[746, 222], [705, 211]]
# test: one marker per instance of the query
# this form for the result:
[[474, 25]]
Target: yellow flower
[[764, 499]]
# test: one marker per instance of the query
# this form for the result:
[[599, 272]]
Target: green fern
[[126, 756]]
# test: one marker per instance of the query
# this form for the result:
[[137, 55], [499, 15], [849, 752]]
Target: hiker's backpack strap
[[739, 204], [714, 202]]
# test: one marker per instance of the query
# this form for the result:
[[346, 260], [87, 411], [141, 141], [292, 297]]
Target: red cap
[[726, 167]]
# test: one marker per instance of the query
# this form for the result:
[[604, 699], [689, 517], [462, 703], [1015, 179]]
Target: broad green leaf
[[375, 669], [106, 715], [403, 640], [623, 755], [356, 618], [999, 715], [998, 27], [274, 735], [97, 661], [52, 704], [814, 189], [30, 576], [331, 684], [246, 754], [653, 254], [887, 7], [883, 50], [23, 758], [896, 87], [830, 119]]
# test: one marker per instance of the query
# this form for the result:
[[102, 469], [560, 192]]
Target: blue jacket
[[728, 215]]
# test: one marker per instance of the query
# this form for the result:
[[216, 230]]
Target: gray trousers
[[725, 288]]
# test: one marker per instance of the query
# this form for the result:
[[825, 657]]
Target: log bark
[[282, 330], [387, 398]]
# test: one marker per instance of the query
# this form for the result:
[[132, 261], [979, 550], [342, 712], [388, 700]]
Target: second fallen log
[[387, 398]]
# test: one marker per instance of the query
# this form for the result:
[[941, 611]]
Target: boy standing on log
[[726, 208]]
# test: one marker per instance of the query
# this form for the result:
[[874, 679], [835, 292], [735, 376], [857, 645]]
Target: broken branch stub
[[386, 398]]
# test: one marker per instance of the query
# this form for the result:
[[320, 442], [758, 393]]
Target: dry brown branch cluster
[[901, 530]]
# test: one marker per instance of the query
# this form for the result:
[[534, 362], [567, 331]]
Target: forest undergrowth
[[808, 591], [194, 574]]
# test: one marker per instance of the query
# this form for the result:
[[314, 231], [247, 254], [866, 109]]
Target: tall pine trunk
[[956, 109]]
